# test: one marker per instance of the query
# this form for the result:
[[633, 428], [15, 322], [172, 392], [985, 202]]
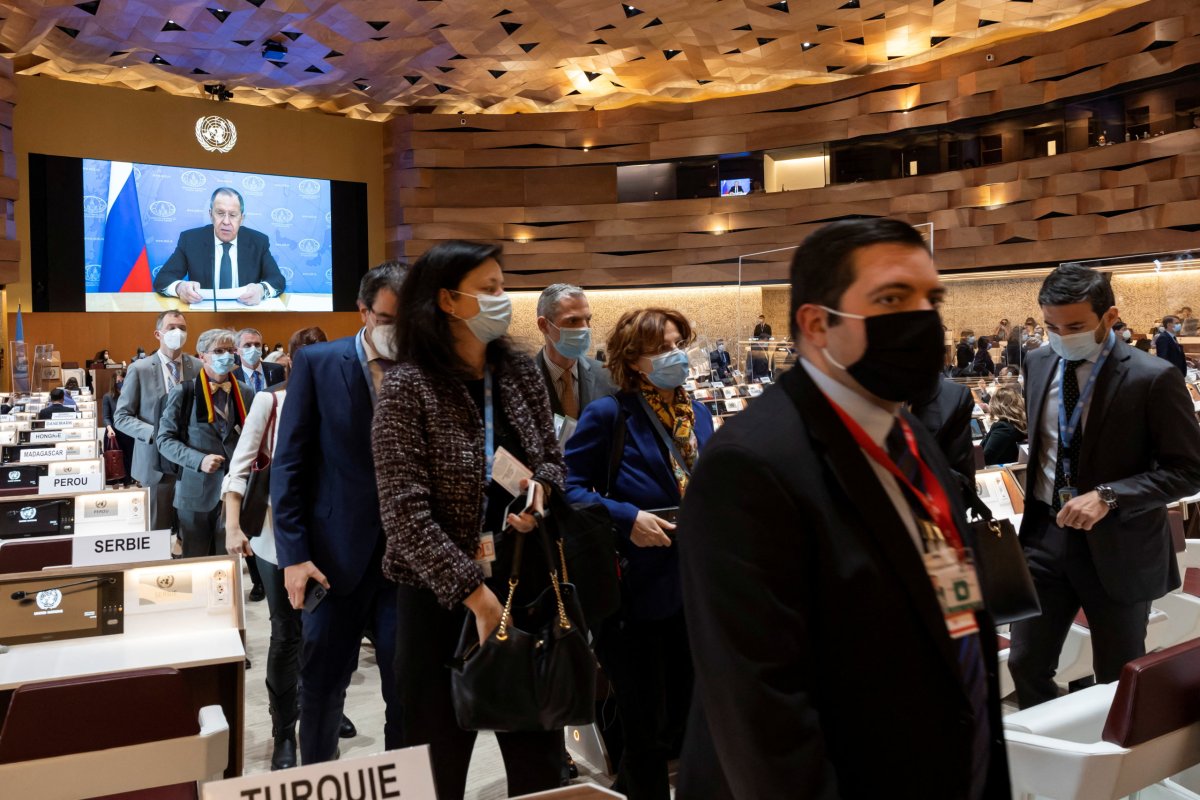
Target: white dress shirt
[[556, 374], [218, 251], [1043, 488], [878, 424], [163, 361], [248, 379]]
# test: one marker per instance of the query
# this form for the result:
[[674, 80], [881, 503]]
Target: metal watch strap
[[1107, 495]]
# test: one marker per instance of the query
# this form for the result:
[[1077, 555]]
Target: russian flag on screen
[[124, 266]]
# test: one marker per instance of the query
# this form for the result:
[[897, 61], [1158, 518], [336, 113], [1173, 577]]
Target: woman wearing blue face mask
[[458, 394], [659, 433]]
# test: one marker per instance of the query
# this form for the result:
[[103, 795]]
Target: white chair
[[1111, 740]]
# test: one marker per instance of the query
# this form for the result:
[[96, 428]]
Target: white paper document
[[509, 472]]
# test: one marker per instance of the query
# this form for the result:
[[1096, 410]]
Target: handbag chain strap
[[506, 618]]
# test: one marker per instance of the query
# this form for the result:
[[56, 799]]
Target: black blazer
[[1168, 348], [963, 354], [983, 364], [719, 363], [823, 665], [273, 374], [1001, 444], [1141, 438], [947, 415], [194, 255]]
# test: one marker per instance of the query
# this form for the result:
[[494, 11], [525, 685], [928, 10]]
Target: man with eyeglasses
[[223, 255], [327, 527]]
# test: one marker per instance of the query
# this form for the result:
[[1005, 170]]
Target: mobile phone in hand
[[314, 593]]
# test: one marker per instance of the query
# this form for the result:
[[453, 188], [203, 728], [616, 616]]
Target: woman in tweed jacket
[[435, 501]]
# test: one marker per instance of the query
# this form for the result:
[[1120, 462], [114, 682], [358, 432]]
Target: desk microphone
[[21, 595]]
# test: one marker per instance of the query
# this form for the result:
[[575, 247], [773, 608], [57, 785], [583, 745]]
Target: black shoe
[[284, 755], [347, 730], [257, 593], [248, 664]]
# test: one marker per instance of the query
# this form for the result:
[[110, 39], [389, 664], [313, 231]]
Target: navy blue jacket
[[323, 474], [1167, 347], [643, 481]]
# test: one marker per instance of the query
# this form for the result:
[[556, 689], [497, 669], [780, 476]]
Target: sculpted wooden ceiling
[[376, 58]]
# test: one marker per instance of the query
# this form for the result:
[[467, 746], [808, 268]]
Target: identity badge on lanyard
[[948, 563], [485, 552], [1067, 428]]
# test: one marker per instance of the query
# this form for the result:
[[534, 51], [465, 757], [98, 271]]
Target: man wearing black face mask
[[808, 540]]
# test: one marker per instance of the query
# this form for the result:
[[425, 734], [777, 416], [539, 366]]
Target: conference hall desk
[[183, 613], [154, 302]]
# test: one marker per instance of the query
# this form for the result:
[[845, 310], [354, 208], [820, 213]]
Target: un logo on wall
[[94, 206], [309, 187], [216, 134], [162, 210], [253, 184], [282, 216], [308, 246], [193, 179]]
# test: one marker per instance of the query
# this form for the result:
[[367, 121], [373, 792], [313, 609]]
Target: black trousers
[[162, 509], [1066, 580], [202, 532], [650, 668], [283, 655], [426, 638]]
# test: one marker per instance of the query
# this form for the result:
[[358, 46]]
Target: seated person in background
[[275, 354], [222, 256], [1191, 325], [1010, 372], [964, 353], [982, 363], [1007, 412], [56, 405], [1124, 331], [72, 385], [720, 362]]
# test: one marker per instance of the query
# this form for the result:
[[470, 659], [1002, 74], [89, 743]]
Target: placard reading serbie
[[93, 549], [70, 484], [395, 774]]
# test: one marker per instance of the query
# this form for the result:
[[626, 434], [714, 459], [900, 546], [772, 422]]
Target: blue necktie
[[226, 266], [257, 381]]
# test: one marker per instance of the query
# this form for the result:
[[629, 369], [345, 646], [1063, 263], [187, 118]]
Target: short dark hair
[[1169, 318], [823, 267], [1119, 325], [423, 334], [162, 315], [1073, 283], [388, 275], [57, 394], [305, 337]]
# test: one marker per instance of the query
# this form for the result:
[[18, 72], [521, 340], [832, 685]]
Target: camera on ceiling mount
[[218, 91]]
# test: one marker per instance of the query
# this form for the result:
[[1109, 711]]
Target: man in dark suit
[[573, 379], [825, 664], [762, 330], [326, 506], [57, 406], [946, 413], [720, 362], [147, 381], [1167, 346], [964, 353], [254, 371], [201, 423], [222, 255], [1113, 439]]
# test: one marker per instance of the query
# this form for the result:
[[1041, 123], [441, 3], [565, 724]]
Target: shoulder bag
[[1004, 579], [535, 672], [258, 485], [114, 460]]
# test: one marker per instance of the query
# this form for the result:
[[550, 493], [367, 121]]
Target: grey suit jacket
[[136, 409], [593, 382], [1142, 439], [197, 491]]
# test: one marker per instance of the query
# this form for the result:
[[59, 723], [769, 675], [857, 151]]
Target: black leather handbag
[[258, 484], [535, 672], [1004, 579]]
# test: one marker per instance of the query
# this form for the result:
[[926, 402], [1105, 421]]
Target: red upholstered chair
[[34, 555], [1111, 740], [120, 736]]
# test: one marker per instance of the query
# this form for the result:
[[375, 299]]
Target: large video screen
[[157, 237]]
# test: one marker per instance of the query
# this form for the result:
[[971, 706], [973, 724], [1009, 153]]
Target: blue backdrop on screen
[[294, 212]]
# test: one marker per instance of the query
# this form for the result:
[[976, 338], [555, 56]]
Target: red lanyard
[[934, 501]]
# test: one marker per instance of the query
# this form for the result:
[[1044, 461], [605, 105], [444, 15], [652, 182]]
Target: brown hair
[[305, 336], [1007, 403], [636, 334]]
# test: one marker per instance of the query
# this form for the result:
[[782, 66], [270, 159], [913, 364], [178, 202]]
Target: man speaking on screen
[[223, 255]]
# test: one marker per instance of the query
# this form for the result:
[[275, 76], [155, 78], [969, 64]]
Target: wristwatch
[[1108, 496], [266, 289]]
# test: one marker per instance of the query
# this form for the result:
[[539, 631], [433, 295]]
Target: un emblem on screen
[[281, 216], [309, 187], [91, 273], [49, 599], [253, 183], [216, 134], [308, 246], [14, 475], [28, 513], [94, 206]]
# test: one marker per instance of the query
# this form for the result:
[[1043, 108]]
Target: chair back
[[34, 555], [1157, 694], [96, 712]]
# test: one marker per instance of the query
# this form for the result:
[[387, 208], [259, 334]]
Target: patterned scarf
[[205, 412], [679, 418]]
